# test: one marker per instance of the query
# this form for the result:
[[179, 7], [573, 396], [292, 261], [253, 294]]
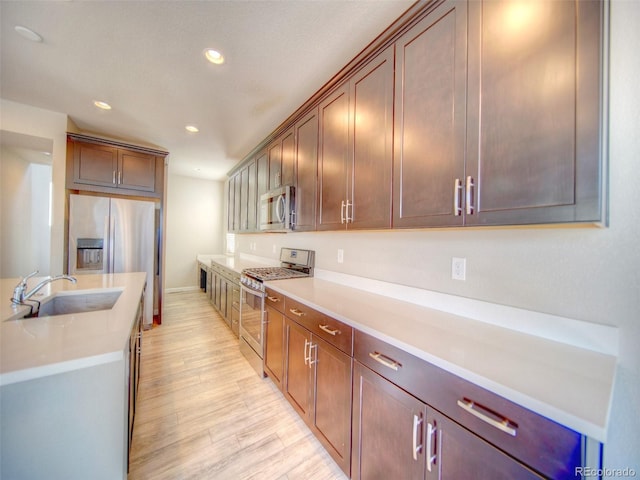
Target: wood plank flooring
[[203, 413]]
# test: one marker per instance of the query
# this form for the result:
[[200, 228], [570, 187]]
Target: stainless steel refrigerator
[[113, 235]]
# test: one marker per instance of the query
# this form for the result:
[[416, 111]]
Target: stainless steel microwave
[[276, 207]]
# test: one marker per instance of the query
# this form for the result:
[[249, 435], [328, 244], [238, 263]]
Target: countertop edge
[[18, 376]]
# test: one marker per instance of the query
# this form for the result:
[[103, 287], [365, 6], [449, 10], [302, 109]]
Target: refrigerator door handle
[[108, 226]]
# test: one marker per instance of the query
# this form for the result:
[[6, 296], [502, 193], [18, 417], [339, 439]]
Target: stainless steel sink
[[63, 304]]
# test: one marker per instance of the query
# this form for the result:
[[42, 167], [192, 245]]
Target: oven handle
[[252, 291]]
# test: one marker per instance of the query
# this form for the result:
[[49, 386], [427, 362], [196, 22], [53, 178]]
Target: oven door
[[252, 319]]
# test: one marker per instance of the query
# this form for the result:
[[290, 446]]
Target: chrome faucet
[[19, 295]]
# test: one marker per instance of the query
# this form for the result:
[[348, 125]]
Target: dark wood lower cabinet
[[331, 411], [274, 346], [383, 429], [318, 386], [455, 453], [395, 435], [297, 386]]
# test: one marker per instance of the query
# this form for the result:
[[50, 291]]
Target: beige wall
[[585, 273], [27, 120], [194, 226]]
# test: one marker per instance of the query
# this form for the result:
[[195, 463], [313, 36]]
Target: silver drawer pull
[[386, 361], [325, 328], [505, 425], [273, 299], [297, 312]]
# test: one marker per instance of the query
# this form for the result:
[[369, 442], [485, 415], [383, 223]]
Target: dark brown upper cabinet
[[282, 160], [113, 168], [356, 158], [534, 109], [306, 172], [430, 109], [459, 114], [248, 198], [510, 136]]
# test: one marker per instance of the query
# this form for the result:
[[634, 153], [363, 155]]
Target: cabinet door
[[95, 164], [287, 172], [262, 165], [306, 133], [388, 429], [332, 401], [231, 204], [136, 171], [534, 141], [252, 198], [274, 346], [430, 118], [244, 199], [275, 164], [453, 452], [371, 96], [333, 160], [297, 387], [237, 204]]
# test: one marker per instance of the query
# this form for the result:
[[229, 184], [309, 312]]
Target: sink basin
[[79, 303]]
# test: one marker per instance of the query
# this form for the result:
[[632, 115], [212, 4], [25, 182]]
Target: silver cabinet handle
[[297, 312], [457, 189], [386, 361], [469, 184], [415, 450], [342, 212], [326, 328], [307, 343], [431, 459], [348, 219], [312, 360], [273, 299], [505, 424], [114, 178]]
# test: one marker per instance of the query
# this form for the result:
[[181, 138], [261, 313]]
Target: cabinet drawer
[[325, 327], [543, 444], [274, 300]]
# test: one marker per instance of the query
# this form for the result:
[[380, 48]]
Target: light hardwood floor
[[203, 413]]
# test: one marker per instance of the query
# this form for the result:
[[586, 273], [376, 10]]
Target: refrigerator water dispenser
[[90, 253]]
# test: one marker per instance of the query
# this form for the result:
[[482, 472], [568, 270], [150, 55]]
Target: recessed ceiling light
[[192, 129], [102, 105], [28, 34], [214, 56]]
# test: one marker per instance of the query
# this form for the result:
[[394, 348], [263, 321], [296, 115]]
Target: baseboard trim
[[181, 289]]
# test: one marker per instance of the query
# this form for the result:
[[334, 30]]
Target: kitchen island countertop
[[38, 347], [566, 383]]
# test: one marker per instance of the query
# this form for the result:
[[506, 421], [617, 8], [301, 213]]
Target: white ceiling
[[145, 59]]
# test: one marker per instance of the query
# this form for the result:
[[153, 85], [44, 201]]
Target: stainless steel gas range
[[294, 263]]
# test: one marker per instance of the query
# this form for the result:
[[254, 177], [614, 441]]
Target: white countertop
[[235, 262], [38, 347], [569, 384]]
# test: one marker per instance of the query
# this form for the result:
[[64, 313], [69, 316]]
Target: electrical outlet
[[340, 255], [458, 268]]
